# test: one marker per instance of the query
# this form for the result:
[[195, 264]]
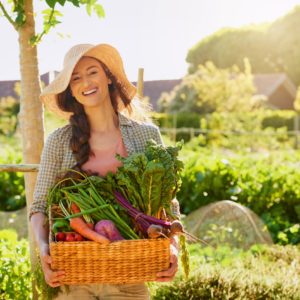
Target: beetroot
[[109, 230]]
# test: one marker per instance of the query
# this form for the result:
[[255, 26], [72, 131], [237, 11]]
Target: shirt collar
[[124, 121]]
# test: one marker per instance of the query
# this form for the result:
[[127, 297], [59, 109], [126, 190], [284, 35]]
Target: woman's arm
[[49, 168], [40, 227]]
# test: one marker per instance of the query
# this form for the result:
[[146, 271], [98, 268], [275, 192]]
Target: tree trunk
[[31, 112]]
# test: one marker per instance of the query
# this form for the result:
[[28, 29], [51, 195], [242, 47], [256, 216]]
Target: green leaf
[[61, 2], [99, 10], [51, 3], [89, 9], [75, 2], [20, 19], [295, 228]]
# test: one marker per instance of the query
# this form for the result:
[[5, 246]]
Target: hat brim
[[105, 53]]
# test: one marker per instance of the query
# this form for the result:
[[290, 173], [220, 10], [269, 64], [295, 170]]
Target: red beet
[[109, 230]]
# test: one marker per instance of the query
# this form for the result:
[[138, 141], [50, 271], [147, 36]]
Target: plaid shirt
[[57, 157]]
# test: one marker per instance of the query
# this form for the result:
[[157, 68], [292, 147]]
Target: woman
[[91, 91]]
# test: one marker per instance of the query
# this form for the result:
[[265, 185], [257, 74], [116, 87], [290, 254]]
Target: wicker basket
[[128, 261]]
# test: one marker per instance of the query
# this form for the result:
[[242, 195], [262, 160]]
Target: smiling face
[[89, 83]]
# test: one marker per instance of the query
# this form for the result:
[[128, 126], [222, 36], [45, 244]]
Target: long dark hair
[[79, 121]]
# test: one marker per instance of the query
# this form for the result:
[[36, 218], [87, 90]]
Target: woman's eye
[[75, 78], [93, 72]]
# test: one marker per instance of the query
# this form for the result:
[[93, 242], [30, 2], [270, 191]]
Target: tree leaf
[[75, 2], [61, 2], [99, 10], [51, 3]]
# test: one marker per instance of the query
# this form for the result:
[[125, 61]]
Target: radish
[[78, 237], [70, 237], [108, 229], [60, 236]]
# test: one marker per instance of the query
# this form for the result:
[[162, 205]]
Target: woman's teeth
[[89, 92]]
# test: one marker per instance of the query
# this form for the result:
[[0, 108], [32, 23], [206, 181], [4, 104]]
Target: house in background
[[278, 88], [7, 87], [154, 88]]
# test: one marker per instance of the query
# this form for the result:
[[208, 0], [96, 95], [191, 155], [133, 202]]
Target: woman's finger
[[47, 259], [169, 274], [55, 284]]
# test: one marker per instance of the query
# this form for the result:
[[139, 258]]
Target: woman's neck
[[103, 119]]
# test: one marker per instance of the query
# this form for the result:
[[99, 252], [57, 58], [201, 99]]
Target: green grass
[[263, 272]]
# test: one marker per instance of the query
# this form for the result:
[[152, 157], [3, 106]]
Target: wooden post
[[140, 83], [296, 130], [174, 127]]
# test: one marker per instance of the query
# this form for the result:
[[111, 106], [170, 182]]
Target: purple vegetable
[[109, 230], [142, 220]]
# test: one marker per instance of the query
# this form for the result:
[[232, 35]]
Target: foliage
[[14, 12], [222, 273], [210, 89], [12, 194], [235, 130], [259, 43], [269, 184], [15, 275], [9, 108]]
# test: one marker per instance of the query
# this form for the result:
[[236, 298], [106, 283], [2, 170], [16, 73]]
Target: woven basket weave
[[127, 261]]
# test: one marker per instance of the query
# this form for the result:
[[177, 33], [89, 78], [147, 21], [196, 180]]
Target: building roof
[[154, 88], [267, 84], [7, 87]]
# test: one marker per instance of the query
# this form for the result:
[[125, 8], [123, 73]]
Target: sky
[[151, 34]]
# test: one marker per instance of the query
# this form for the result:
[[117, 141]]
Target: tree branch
[[6, 15]]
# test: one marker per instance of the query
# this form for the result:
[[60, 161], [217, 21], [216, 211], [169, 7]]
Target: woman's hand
[[169, 274], [52, 278]]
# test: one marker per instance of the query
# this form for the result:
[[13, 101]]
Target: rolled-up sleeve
[[49, 169]]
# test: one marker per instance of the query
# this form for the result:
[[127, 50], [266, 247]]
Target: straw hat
[[104, 53]]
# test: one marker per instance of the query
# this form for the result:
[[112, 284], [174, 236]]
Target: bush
[[12, 192], [235, 130], [267, 184], [15, 275], [223, 273], [279, 119]]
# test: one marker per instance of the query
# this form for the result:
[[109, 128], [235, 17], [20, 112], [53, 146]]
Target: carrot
[[78, 225], [75, 209]]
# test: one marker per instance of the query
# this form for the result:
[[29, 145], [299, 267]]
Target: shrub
[[15, 275], [269, 185], [223, 273], [235, 130], [12, 193]]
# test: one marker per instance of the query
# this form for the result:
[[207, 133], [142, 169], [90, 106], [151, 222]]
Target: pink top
[[104, 161]]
